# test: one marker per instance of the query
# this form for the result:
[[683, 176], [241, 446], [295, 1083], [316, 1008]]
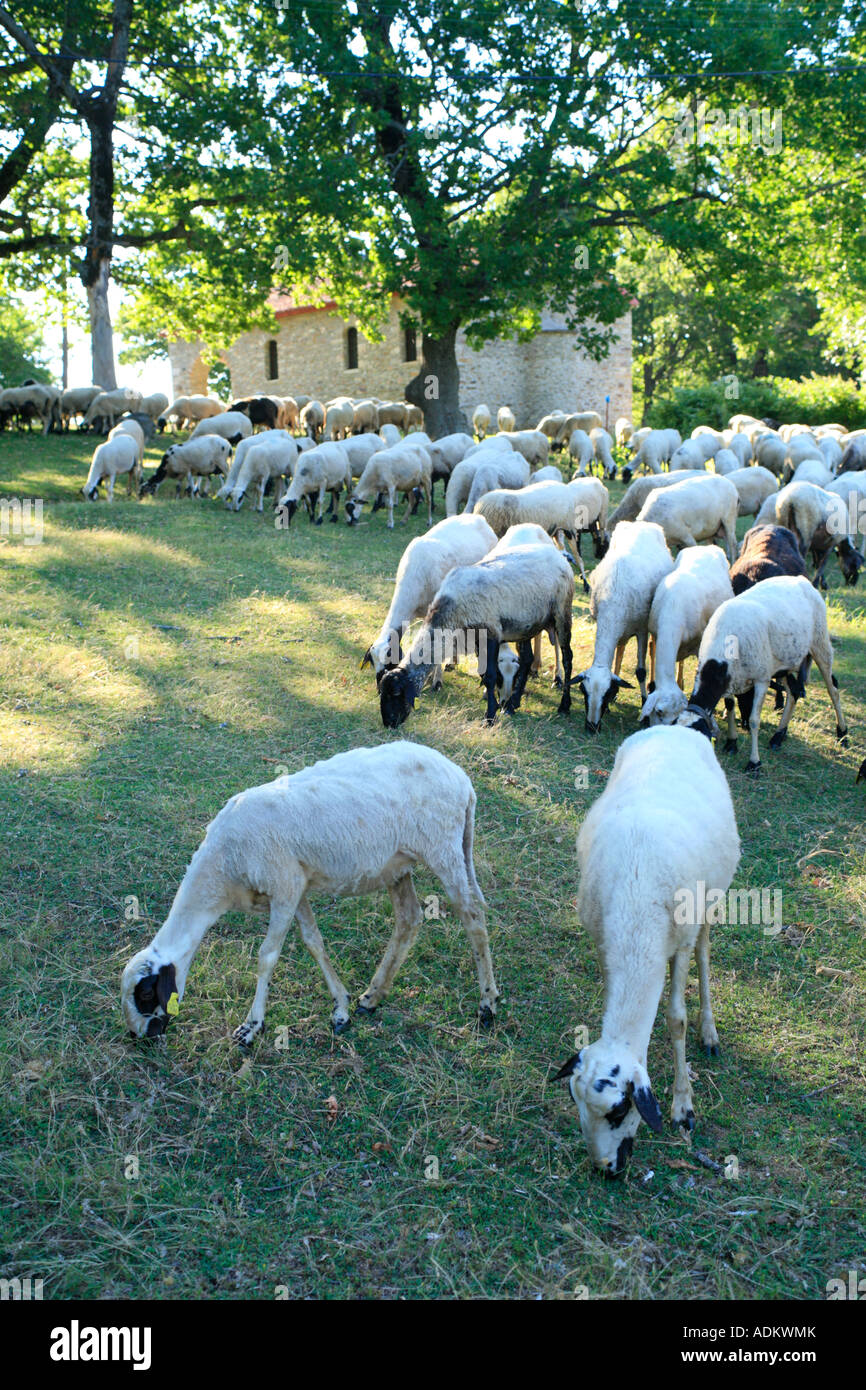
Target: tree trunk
[[101, 332], [96, 267], [436, 388], [649, 387]]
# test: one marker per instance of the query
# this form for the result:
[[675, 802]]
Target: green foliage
[[22, 346], [814, 400]]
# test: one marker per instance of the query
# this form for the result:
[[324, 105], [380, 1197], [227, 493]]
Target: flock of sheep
[[493, 576]]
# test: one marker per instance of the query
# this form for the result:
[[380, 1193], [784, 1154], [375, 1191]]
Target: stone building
[[316, 353]]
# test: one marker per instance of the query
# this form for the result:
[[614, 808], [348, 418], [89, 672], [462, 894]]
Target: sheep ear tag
[[172, 1008]]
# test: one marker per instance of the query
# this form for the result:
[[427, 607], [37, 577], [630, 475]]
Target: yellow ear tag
[[173, 1005]]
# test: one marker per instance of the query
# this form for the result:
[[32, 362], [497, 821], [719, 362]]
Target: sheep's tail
[[468, 840]]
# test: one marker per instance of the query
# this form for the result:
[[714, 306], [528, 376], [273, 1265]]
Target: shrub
[[815, 400]]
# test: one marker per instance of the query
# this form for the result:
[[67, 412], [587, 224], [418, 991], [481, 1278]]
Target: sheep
[[586, 420], [114, 456], [259, 410], [657, 851], [500, 471], [726, 461], [106, 409], [651, 448], [270, 459], [550, 474], [681, 608], [562, 509], [689, 455], [766, 553], [312, 419], [525, 533], [637, 493], [414, 417], [462, 475], [602, 445], [458, 540], [76, 401], [389, 434], [802, 507], [533, 445], [831, 451], [623, 430], [232, 425], [770, 452], [446, 453], [392, 413], [187, 410], [339, 416], [292, 412], [551, 425], [710, 439], [344, 827], [133, 429], [840, 526], [779, 625], [197, 458], [622, 590], [739, 444], [505, 419], [154, 405], [754, 485], [402, 468], [325, 468], [580, 451], [145, 421], [812, 470], [695, 510], [853, 455], [243, 448], [509, 598], [481, 420], [365, 416]]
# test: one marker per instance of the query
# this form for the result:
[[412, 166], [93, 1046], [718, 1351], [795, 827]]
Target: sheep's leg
[[680, 673], [709, 1036], [269, 953], [640, 670], [428, 493], [652, 663], [566, 538], [782, 731], [335, 500], [392, 498], [617, 658], [320, 505], [469, 906], [563, 633], [312, 939], [682, 1104], [488, 677], [260, 505], [823, 658], [109, 487], [731, 740], [536, 654], [408, 917], [760, 690], [524, 651]]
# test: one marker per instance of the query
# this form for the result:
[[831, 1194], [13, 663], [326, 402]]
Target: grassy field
[[159, 656]]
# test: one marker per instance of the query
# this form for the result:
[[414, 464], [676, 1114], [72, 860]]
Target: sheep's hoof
[[563, 709], [557, 682], [366, 1009], [778, 739], [730, 745], [488, 721], [585, 587], [686, 1121], [437, 685], [712, 1049], [842, 736], [340, 1025], [245, 1034], [318, 521], [754, 769], [486, 1016], [651, 687], [333, 519]]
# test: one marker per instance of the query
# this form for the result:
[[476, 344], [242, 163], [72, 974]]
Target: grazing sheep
[[325, 468], [481, 420], [134, 430], [505, 419], [770, 452], [271, 458], [651, 448], [106, 409], [658, 845], [251, 442], [187, 410], [602, 445], [831, 451], [690, 455], [76, 401], [344, 827], [445, 454], [552, 425], [637, 493], [526, 533], [801, 507], [509, 598], [501, 470], [754, 485], [339, 417], [402, 468], [812, 470], [458, 540], [550, 474], [562, 509], [389, 434], [259, 410], [683, 604], [232, 425], [767, 552], [581, 452], [853, 455], [623, 430], [739, 444], [196, 459], [533, 445], [779, 625], [463, 474], [154, 405], [312, 419], [365, 417], [695, 510], [725, 462], [113, 457], [622, 590], [586, 420]]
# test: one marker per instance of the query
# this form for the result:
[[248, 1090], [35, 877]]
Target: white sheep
[[623, 430], [271, 458], [831, 451], [778, 625], [501, 471], [725, 461], [532, 444], [508, 598], [802, 507], [695, 510], [186, 410], [106, 409], [325, 468], [526, 533], [463, 473], [481, 420], [564, 510], [360, 448], [754, 485], [232, 425], [76, 400], [770, 451], [683, 604], [739, 444], [637, 492], [691, 454], [402, 468], [580, 451], [622, 588], [339, 416], [134, 430], [243, 449], [652, 448], [348, 826], [812, 470], [505, 419], [550, 474], [657, 852], [602, 445], [312, 419], [111, 458], [389, 434], [154, 405], [195, 459]]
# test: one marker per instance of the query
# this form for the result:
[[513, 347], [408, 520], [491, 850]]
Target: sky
[[147, 377]]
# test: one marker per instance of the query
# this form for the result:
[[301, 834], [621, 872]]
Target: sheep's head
[[850, 561], [599, 687], [664, 704], [353, 511], [384, 655], [396, 697], [148, 995], [612, 1092]]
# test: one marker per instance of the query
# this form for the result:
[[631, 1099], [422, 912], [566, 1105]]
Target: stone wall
[[545, 374]]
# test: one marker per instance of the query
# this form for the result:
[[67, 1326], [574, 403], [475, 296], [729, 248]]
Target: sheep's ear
[[581, 676], [166, 984], [568, 1068], [647, 1106], [623, 685], [367, 659]]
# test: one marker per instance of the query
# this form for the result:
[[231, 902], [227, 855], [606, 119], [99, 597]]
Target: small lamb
[[350, 825]]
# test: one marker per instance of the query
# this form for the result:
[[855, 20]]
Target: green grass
[[113, 757]]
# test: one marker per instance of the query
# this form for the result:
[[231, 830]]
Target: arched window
[[351, 348], [273, 366], [410, 345]]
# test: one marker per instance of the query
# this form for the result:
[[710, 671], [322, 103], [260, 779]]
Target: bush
[[815, 400]]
